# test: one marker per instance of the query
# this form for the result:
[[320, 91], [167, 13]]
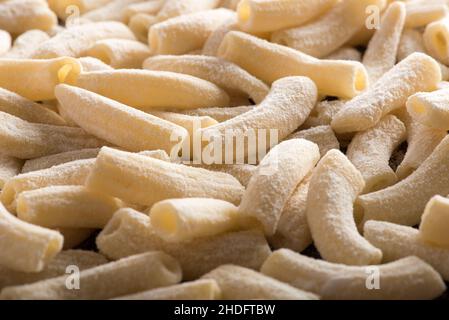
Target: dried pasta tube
[[59, 158], [17, 17], [430, 109], [398, 241], [380, 56], [214, 40], [435, 222], [90, 64], [242, 172], [417, 72], [5, 42], [202, 289], [140, 24], [422, 13], [74, 41], [185, 33], [436, 37], [224, 74], [371, 150], [323, 113], [51, 72], [276, 61], [148, 90], [334, 186], [9, 167], [147, 7], [186, 121], [129, 275], [143, 180], [55, 268], [120, 53], [219, 114], [25, 44], [26, 247], [149, 132], [285, 165], [323, 136], [130, 232], [60, 6], [272, 15], [73, 237], [404, 202], [175, 8], [67, 207], [405, 279], [330, 31], [345, 53], [111, 11], [238, 283], [411, 41]]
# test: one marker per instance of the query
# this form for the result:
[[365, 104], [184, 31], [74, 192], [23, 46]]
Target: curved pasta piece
[[380, 55], [25, 44], [323, 136], [242, 172], [411, 41], [404, 202], [334, 186], [91, 64], [110, 11], [275, 179], [397, 242], [26, 247], [175, 8], [9, 167], [130, 232], [408, 278], [5, 42], [74, 237], [345, 53], [140, 24], [417, 72], [219, 114], [435, 222], [430, 109], [143, 180], [275, 62], [272, 15], [120, 53], [422, 13], [74, 41], [323, 113], [129, 275], [202, 289], [147, 90], [238, 283], [371, 150], [330, 31], [224, 74], [51, 72], [147, 7]]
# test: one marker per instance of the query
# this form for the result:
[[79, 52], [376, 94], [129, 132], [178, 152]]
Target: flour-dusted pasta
[[430, 109], [242, 172], [146, 7], [380, 55], [62, 7], [397, 242], [214, 40], [129, 275], [422, 12], [435, 222], [219, 114], [275, 61], [411, 41], [9, 167], [436, 38], [140, 24], [175, 8], [323, 113], [239, 283], [345, 53], [110, 11], [112, 120], [5, 42], [371, 150], [417, 72], [130, 232], [74, 41], [224, 74], [408, 278], [25, 44], [90, 64], [330, 31], [404, 202], [323, 136], [182, 34]]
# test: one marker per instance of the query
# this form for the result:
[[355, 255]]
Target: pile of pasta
[[92, 93]]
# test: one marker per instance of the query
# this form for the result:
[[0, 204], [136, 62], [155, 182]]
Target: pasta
[[175, 8], [405, 279], [147, 7], [214, 40], [275, 62], [129, 275], [110, 11], [323, 136], [411, 41], [285, 165], [434, 222], [323, 113], [417, 72], [5, 42], [90, 64], [140, 24], [397, 242], [345, 53], [430, 109], [60, 6], [9, 167], [242, 172], [422, 12], [25, 44], [130, 232], [219, 114], [436, 38], [404, 202]]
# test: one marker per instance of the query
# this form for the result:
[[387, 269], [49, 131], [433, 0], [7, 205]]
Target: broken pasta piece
[[435, 222]]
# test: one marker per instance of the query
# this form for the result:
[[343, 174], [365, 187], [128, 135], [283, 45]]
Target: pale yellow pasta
[[323, 136], [371, 150], [404, 202], [174, 8], [55, 268], [345, 53], [405, 279], [5, 42], [129, 275], [111, 11], [147, 7], [25, 44], [435, 222], [219, 114], [330, 31], [436, 37], [411, 41], [73, 237], [62, 7], [140, 24], [40, 76], [398, 241], [323, 113], [111, 120], [143, 180], [90, 64], [130, 232], [239, 283], [74, 41], [202, 289], [272, 15], [182, 34], [120, 53], [380, 55], [275, 179], [19, 16], [224, 74], [242, 172], [147, 90], [9, 167], [214, 40], [417, 72], [430, 109], [274, 62], [423, 12]]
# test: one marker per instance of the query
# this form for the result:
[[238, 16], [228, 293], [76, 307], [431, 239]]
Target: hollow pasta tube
[[435, 222], [430, 109]]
